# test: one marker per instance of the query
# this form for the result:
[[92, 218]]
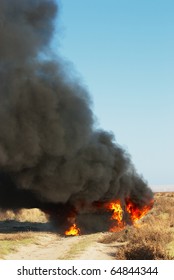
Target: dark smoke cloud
[[50, 151]]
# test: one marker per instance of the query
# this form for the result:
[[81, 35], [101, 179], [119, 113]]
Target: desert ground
[[27, 235]]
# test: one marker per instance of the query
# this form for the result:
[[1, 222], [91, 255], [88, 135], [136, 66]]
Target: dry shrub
[[146, 242], [16, 236], [164, 203], [24, 215], [6, 215], [150, 228], [143, 251], [151, 236], [31, 215], [172, 220], [113, 236]]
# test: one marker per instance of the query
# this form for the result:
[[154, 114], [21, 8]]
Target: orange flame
[[117, 215], [73, 230], [137, 213]]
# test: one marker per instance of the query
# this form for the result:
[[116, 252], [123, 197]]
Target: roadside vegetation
[[24, 215], [152, 238], [10, 242]]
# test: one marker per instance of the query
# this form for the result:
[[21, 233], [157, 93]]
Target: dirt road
[[49, 246]]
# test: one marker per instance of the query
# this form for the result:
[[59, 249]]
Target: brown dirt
[[51, 247]]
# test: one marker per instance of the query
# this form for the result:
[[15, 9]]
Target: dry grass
[[76, 248], [153, 237], [10, 242], [24, 215]]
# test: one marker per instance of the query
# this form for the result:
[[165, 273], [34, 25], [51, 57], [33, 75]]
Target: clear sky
[[123, 51]]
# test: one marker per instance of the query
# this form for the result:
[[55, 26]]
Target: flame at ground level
[[121, 214], [117, 215], [137, 213], [73, 230]]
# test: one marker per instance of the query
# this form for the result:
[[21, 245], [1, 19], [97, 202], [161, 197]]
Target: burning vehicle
[[52, 156]]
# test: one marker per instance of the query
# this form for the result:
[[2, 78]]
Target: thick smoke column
[[50, 152]]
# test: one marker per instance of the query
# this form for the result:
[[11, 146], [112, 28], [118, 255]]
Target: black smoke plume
[[51, 155]]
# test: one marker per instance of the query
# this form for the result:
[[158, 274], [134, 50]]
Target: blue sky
[[123, 52]]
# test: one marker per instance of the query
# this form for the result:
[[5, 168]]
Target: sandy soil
[[50, 246]]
